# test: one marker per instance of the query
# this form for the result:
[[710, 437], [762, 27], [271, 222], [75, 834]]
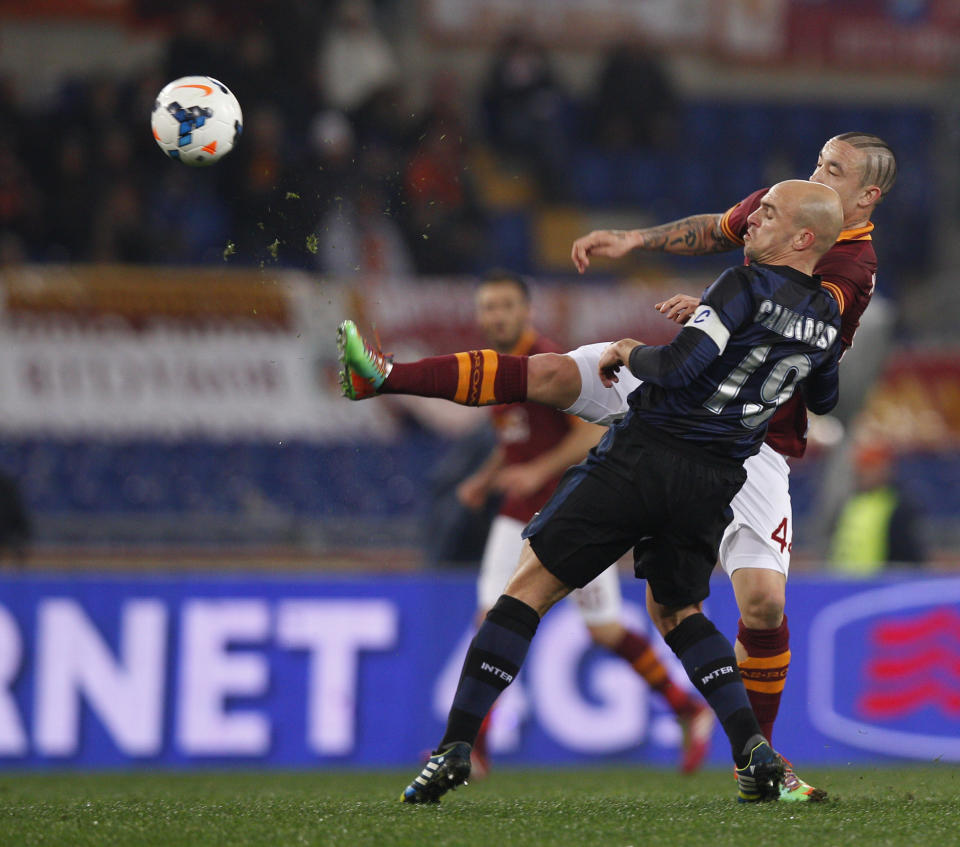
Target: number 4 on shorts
[[780, 536]]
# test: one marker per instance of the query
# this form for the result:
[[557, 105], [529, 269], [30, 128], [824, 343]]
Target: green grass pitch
[[590, 806]]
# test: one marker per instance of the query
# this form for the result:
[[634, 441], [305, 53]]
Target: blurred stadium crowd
[[340, 171], [331, 147], [345, 169]]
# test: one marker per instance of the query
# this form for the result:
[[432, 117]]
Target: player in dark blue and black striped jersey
[[758, 332], [662, 479]]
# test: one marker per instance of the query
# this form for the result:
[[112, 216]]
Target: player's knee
[[667, 618], [553, 379], [762, 608], [547, 368]]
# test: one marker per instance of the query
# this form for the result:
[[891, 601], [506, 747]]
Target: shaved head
[[796, 223], [817, 208]]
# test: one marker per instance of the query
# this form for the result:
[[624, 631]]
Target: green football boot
[[795, 790], [363, 368]]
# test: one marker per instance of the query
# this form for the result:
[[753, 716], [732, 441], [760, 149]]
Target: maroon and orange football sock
[[764, 671], [474, 378]]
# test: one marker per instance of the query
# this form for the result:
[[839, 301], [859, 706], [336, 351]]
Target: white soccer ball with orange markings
[[196, 120]]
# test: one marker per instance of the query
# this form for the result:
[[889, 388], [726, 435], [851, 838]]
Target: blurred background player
[[879, 524], [535, 445]]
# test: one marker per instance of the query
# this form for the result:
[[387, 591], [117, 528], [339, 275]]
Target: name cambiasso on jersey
[[774, 327], [789, 324]]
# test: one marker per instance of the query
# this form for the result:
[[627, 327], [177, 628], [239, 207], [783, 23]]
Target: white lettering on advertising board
[[74, 664], [223, 654], [334, 633], [210, 672], [13, 738]]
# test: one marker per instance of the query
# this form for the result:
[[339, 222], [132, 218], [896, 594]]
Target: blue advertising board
[[103, 671]]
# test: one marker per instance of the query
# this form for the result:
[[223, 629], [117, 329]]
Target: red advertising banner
[[920, 36], [65, 8], [882, 36]]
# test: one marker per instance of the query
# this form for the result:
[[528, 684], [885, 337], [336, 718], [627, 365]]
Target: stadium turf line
[[579, 807]]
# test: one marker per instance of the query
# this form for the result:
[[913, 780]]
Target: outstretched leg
[[553, 379], [472, 378]]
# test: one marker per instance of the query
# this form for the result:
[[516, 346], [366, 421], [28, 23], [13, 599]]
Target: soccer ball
[[196, 120]]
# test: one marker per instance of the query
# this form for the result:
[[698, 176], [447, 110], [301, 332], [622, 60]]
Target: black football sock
[[493, 660], [710, 663]]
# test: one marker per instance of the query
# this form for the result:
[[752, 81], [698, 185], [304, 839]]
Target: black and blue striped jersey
[[758, 333]]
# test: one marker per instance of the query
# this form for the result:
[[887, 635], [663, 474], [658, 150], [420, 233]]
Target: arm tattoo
[[690, 236]]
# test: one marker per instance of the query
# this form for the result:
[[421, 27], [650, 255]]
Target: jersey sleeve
[[851, 284], [724, 307], [733, 222], [675, 364], [821, 389]]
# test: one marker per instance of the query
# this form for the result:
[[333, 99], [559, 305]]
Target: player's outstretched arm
[[675, 364], [690, 236]]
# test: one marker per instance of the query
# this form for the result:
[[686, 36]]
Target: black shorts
[[641, 488]]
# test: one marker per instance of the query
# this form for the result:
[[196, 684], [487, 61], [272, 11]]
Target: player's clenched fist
[[613, 358]]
